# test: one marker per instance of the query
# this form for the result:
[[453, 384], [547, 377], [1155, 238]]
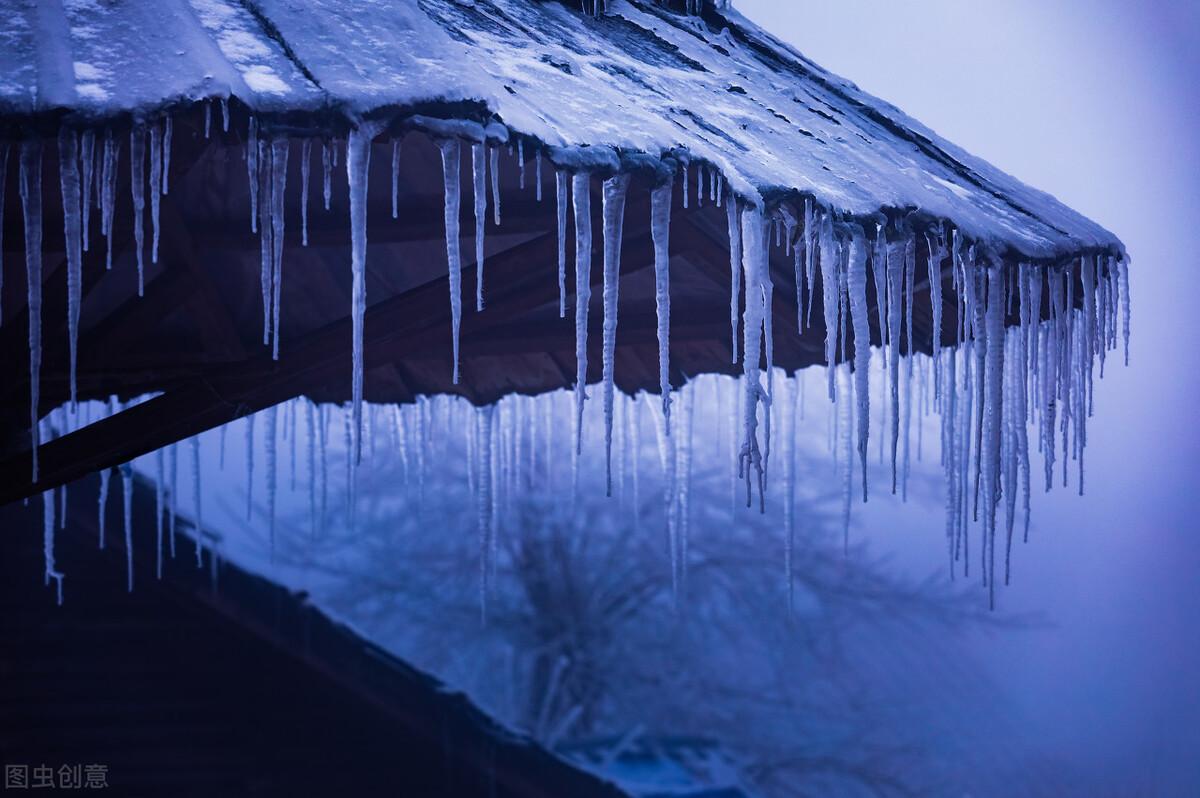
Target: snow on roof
[[640, 78]]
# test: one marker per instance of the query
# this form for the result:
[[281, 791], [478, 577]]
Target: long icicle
[[856, 281], [735, 269], [358, 162], [155, 187], [279, 158], [560, 180], [614, 221], [479, 175], [750, 464], [305, 173], [127, 494], [68, 173], [660, 231], [451, 166], [992, 428], [582, 201], [31, 207], [137, 188]]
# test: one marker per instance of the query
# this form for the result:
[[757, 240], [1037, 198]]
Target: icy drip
[[137, 186], [521, 161], [993, 392], [127, 495], [156, 155], [1123, 266], [856, 283], [358, 162], [735, 270], [279, 159], [196, 504], [224, 115], [484, 422], [305, 171], [68, 172], [750, 465], [108, 194], [561, 192], [829, 297], [266, 248], [326, 174], [660, 231], [582, 200], [270, 446], [252, 153], [933, 244], [479, 181], [910, 268], [895, 276], [87, 170], [48, 526], [31, 207], [395, 178], [451, 157], [494, 167], [614, 221], [537, 159]]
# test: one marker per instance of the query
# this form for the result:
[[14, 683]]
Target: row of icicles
[[1046, 374], [599, 7]]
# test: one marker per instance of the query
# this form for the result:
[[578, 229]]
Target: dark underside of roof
[[196, 335], [205, 684]]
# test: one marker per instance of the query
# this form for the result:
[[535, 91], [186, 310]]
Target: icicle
[[305, 158], [279, 158], [684, 180], [225, 114], [494, 166], [249, 466], [395, 178], [660, 231], [879, 272], [538, 174], [102, 502], [358, 162], [31, 206], [127, 492], [829, 298], [735, 270], [700, 185], [68, 171], [137, 186], [272, 414], [910, 268], [252, 150], [155, 186], [582, 201], [208, 119], [895, 276], [614, 222], [479, 175], [561, 189], [87, 162], [451, 156], [199, 519], [108, 196], [993, 393], [521, 160], [48, 527], [1123, 265], [753, 261], [934, 271], [856, 283], [326, 173]]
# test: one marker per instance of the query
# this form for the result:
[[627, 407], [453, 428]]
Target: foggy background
[[1097, 103]]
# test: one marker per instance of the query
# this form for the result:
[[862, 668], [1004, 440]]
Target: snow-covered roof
[[640, 78]]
